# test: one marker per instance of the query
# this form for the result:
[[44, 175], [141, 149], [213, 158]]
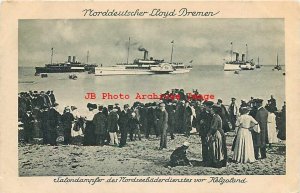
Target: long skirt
[[89, 134], [272, 134], [244, 150], [217, 150]]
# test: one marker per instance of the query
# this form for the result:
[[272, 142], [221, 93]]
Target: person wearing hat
[[53, 118], [233, 112], [134, 127], [162, 125], [187, 118], [28, 120], [171, 119], [123, 123], [112, 126], [99, 122], [243, 151], [224, 116], [67, 119], [216, 140], [260, 139], [205, 118], [89, 132], [178, 157]]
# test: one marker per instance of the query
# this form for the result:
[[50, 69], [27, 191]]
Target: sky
[[205, 41]]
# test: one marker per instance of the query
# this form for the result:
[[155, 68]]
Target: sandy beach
[[138, 158]]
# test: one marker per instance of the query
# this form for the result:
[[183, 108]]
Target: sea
[[207, 79]]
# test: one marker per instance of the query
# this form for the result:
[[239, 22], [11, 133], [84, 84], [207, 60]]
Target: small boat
[[44, 75], [73, 76], [277, 67]]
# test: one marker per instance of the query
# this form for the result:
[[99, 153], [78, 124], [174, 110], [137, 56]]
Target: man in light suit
[[259, 139]]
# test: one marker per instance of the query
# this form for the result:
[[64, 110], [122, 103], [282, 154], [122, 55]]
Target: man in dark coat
[[171, 120], [233, 112], [123, 123], [178, 157], [67, 118], [224, 116], [152, 121], [259, 139], [45, 124], [162, 125], [27, 121], [99, 122], [204, 127], [187, 118], [54, 118]]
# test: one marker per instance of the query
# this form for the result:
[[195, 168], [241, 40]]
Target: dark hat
[[220, 100], [126, 106], [110, 106], [259, 100], [244, 110], [116, 103], [55, 104], [233, 98], [89, 105], [100, 108], [73, 108], [208, 103], [94, 106]]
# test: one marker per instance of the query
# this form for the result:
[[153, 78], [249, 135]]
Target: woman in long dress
[[243, 149], [272, 134], [216, 141]]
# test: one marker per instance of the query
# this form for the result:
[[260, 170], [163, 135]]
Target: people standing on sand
[[162, 125], [233, 112], [178, 157], [243, 148], [260, 139], [28, 120], [99, 122], [89, 131], [205, 119], [54, 118], [134, 127], [123, 123], [271, 128], [282, 123], [171, 119], [216, 141], [112, 126], [67, 119], [187, 118], [224, 116], [152, 121]]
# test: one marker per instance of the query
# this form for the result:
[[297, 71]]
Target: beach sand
[[138, 158]]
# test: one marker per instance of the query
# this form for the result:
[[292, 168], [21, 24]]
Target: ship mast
[[246, 52], [51, 56], [128, 49], [172, 42], [231, 52], [87, 57]]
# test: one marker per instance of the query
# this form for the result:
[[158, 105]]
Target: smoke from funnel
[[142, 49]]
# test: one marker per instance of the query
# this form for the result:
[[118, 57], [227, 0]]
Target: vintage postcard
[[149, 96]]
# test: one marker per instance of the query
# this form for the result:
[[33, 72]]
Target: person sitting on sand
[[178, 157]]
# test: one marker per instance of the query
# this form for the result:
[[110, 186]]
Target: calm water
[[211, 79]]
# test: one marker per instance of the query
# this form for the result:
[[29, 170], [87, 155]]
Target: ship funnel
[[69, 58], [145, 55], [243, 57], [74, 59], [237, 56]]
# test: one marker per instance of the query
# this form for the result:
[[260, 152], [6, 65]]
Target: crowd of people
[[255, 125]]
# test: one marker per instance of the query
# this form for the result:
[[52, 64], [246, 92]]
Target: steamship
[[65, 67], [237, 64], [145, 66]]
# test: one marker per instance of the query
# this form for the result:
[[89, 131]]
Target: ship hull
[[231, 67], [40, 70]]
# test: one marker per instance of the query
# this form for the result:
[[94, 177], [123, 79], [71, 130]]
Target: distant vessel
[[258, 65], [145, 66], [277, 67], [65, 67], [234, 65]]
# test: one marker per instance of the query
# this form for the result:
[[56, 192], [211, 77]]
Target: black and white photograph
[[151, 97]]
